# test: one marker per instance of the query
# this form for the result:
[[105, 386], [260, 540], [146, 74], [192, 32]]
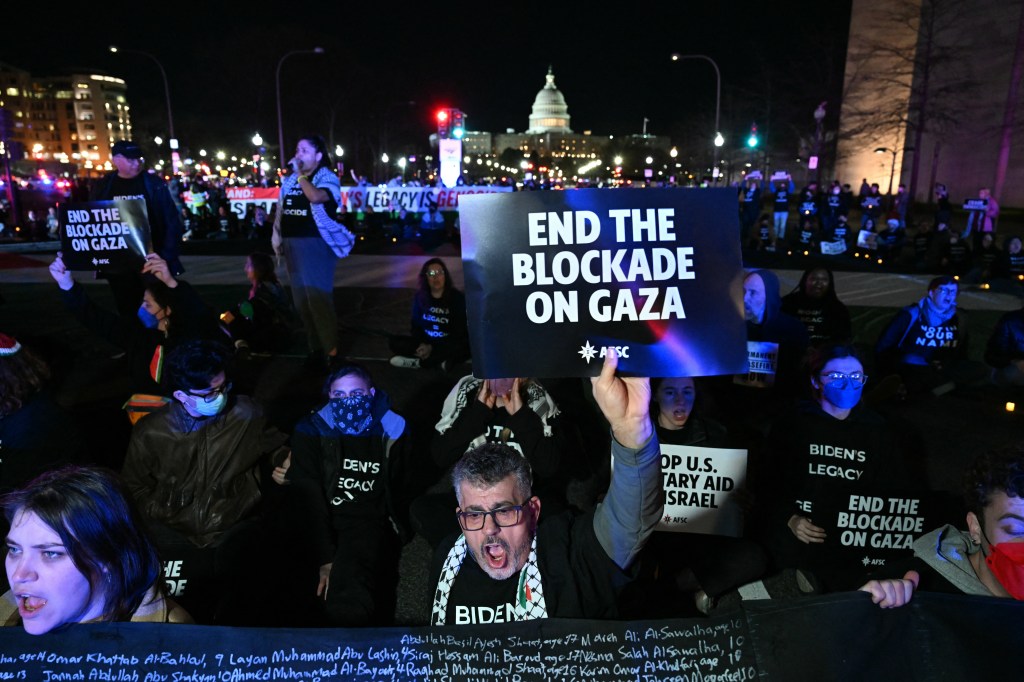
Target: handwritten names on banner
[[564, 650]]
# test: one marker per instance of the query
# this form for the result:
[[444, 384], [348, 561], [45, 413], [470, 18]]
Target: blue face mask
[[205, 409], [844, 394], [148, 319]]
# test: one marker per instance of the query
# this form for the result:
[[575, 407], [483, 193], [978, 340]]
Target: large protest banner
[[699, 486], [840, 636], [105, 235], [553, 278], [369, 198]]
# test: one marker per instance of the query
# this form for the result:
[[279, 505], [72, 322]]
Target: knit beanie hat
[[8, 345]]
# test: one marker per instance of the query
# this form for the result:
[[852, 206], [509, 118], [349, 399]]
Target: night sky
[[389, 66]]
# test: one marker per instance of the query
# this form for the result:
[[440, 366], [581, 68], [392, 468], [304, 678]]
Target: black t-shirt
[[478, 598]]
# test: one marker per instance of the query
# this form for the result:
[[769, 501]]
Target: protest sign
[[105, 235], [553, 279], [699, 488], [866, 239], [836, 248], [873, 528]]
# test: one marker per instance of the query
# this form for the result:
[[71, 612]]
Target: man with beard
[[571, 566]]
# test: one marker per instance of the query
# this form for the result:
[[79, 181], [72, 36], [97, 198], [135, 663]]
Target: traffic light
[[443, 124], [752, 140], [458, 123]]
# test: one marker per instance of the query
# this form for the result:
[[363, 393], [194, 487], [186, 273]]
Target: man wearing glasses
[[507, 566], [192, 466]]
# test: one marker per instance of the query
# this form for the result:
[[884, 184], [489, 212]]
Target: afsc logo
[[589, 352]]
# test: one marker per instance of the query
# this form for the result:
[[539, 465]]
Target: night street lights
[[719, 140], [167, 94], [892, 168], [277, 82], [819, 119]]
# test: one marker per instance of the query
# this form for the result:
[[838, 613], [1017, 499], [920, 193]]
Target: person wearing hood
[[345, 466], [926, 341], [775, 340], [801, 484]]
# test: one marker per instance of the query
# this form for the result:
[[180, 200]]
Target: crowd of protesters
[[341, 489]]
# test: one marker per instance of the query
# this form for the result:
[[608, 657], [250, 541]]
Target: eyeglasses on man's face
[[213, 393], [503, 517], [858, 378]]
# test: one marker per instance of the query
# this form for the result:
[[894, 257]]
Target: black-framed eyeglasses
[[214, 392], [503, 517], [858, 378], [434, 273]]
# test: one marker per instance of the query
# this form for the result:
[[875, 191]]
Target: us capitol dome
[[550, 112]]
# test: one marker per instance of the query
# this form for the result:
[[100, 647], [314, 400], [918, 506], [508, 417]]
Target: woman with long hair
[[309, 259], [76, 553], [439, 332]]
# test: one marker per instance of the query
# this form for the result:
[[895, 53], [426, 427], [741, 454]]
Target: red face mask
[[1006, 561]]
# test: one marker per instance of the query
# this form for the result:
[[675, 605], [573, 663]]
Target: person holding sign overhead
[[309, 259], [506, 565], [169, 311], [76, 553], [129, 180]]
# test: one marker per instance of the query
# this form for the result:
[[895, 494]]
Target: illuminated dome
[[550, 112]]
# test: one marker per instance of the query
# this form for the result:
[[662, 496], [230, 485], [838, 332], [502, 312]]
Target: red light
[[442, 115]]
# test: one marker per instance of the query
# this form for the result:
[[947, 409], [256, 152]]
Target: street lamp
[[277, 82], [892, 168], [719, 140], [167, 95]]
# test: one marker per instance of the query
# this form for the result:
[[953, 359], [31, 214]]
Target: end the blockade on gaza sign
[[554, 278], [105, 235]]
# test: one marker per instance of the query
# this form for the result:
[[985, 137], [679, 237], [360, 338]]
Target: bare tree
[[909, 76]]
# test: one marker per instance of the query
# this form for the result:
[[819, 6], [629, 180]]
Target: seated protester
[[889, 240], [36, 434], [775, 343], [347, 462], [516, 412], [700, 566], [924, 244], [170, 312], [926, 342], [814, 302], [955, 256], [985, 560], [440, 335], [195, 468], [794, 485], [840, 233], [984, 260], [807, 235], [763, 237], [76, 553], [265, 322], [1004, 352], [1010, 268], [506, 566]]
